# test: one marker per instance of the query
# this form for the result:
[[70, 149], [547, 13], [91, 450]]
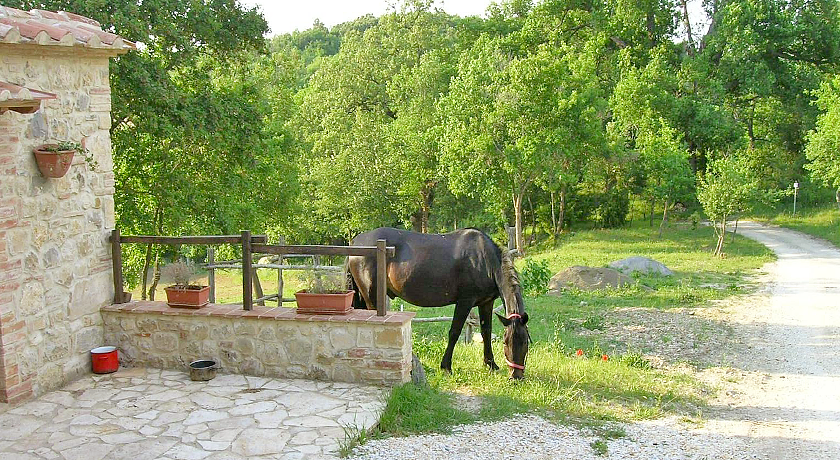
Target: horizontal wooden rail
[[214, 239], [279, 267], [320, 250]]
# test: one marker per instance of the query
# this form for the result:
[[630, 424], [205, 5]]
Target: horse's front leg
[[462, 309], [485, 317]]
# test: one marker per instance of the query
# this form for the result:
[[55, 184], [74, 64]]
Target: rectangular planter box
[[324, 304], [187, 298]]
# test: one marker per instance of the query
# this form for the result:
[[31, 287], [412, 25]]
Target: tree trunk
[[553, 218], [533, 223], [258, 290], [664, 218], [146, 262], [517, 211], [561, 219], [721, 234], [652, 207], [837, 198], [155, 278], [690, 48]]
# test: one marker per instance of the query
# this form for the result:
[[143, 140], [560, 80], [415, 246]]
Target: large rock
[[588, 279], [642, 265]]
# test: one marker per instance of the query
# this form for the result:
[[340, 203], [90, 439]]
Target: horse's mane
[[508, 282]]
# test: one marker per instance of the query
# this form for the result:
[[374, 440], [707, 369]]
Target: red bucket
[[105, 360]]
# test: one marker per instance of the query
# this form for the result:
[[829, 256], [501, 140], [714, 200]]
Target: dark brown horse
[[464, 267]]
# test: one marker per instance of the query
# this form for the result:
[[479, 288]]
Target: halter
[[510, 364]]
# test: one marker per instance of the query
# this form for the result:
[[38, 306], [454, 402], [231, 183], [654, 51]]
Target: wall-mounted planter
[[187, 297], [324, 304], [53, 163]]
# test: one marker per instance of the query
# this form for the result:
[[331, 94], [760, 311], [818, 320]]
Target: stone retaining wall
[[272, 342]]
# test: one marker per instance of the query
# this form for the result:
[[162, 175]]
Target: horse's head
[[516, 342], [517, 337]]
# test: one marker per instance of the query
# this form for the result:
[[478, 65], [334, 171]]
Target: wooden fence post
[[247, 293], [381, 279], [211, 273], [116, 256], [281, 241]]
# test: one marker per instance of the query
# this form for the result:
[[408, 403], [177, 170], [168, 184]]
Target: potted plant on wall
[[325, 294], [54, 159], [183, 294]]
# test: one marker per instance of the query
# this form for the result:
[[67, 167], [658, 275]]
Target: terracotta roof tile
[[20, 99], [57, 28]]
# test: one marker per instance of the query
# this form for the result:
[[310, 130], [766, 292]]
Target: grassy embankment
[[822, 222]]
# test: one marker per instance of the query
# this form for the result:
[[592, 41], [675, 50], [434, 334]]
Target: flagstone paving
[[141, 414]]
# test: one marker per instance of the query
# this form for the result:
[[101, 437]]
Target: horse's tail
[[358, 302]]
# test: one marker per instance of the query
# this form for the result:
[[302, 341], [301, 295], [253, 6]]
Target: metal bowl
[[203, 370]]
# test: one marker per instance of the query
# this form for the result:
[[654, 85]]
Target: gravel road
[[784, 402]]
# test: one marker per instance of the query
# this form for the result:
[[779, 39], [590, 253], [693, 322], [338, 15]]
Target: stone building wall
[[55, 262], [272, 342]]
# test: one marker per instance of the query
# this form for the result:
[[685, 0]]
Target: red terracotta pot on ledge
[[51, 163], [187, 297], [324, 304]]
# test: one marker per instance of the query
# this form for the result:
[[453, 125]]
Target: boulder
[[588, 279], [641, 265]]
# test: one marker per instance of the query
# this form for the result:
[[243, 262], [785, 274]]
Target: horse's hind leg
[[485, 317], [459, 317]]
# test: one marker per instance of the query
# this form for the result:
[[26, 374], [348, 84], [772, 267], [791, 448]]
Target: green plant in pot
[[183, 293], [325, 293], [54, 159]]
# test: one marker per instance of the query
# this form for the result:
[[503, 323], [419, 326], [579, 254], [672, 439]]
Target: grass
[[822, 222]]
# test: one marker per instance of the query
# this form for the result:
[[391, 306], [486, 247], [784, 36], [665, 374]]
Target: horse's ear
[[524, 318], [505, 321]]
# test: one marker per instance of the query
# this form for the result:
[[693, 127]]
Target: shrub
[[535, 277]]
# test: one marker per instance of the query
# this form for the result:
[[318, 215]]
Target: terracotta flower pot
[[187, 297], [53, 163], [324, 304]]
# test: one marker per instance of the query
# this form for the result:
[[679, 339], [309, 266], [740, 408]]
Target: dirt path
[[788, 404]]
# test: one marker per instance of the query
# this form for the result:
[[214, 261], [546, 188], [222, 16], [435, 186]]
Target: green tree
[[369, 113], [823, 149], [727, 188]]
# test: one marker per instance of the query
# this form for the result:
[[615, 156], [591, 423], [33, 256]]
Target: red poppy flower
[[580, 352], [605, 358]]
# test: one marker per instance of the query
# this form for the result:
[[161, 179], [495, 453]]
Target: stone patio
[[141, 414]]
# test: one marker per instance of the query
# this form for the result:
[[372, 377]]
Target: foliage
[[180, 272], [323, 281], [727, 189], [63, 146], [534, 277], [823, 149]]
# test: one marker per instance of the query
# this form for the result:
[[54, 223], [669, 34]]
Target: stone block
[[32, 298], [164, 341], [299, 350], [342, 338], [390, 338], [87, 339], [245, 345]]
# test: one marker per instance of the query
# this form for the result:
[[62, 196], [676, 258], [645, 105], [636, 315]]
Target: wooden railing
[[256, 244]]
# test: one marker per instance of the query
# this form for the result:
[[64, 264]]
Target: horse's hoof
[[446, 371], [492, 366]]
